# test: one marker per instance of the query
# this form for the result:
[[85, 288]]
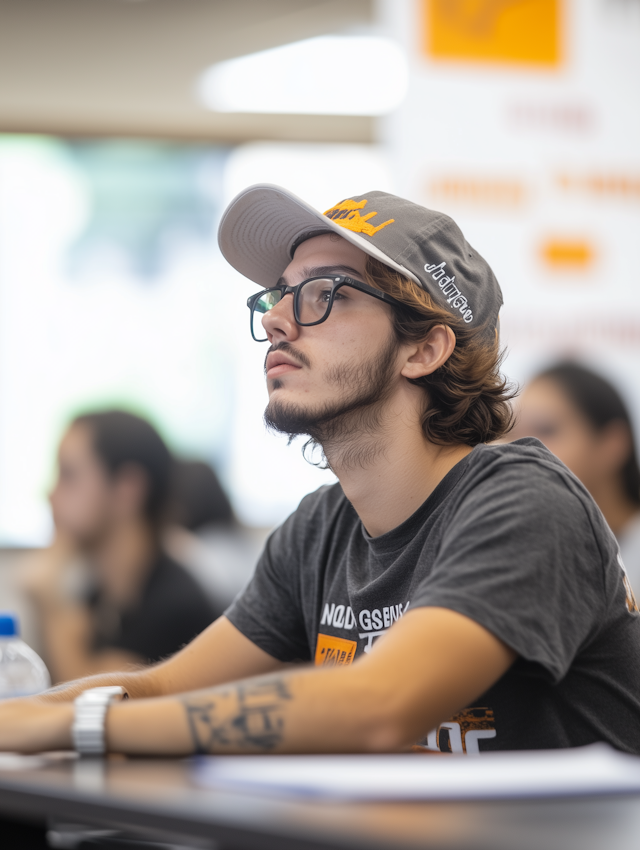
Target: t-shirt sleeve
[[269, 610], [520, 557]]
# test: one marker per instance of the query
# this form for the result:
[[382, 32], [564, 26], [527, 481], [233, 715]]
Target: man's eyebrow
[[329, 271]]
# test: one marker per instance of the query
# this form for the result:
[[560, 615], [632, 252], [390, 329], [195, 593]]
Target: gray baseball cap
[[264, 224]]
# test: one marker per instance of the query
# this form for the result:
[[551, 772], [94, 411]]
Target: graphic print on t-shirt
[[334, 651], [462, 733], [372, 623]]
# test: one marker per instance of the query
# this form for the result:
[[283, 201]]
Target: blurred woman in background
[[106, 592], [582, 419], [205, 535]]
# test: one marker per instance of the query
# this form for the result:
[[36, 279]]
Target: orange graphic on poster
[[521, 32], [347, 215], [334, 651], [602, 184], [568, 254], [479, 191]]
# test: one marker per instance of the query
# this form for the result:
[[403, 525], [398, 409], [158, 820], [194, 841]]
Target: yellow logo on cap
[[346, 215]]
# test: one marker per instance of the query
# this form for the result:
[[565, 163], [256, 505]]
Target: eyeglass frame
[[338, 282]]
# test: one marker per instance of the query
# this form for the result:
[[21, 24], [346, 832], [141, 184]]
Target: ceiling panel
[[114, 67]]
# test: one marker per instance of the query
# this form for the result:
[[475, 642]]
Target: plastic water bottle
[[22, 671]]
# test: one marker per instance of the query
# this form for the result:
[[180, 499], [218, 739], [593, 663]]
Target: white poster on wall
[[522, 122]]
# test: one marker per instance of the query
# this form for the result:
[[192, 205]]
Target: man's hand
[[220, 654], [27, 726]]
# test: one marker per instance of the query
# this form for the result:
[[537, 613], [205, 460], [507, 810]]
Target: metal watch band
[[90, 711]]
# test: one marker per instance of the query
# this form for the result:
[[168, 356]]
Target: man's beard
[[356, 411]]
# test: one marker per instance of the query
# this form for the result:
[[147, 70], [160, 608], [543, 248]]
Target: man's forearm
[[297, 711], [377, 704], [220, 654], [249, 716], [301, 711]]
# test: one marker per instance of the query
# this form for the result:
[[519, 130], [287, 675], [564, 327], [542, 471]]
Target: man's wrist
[[88, 730]]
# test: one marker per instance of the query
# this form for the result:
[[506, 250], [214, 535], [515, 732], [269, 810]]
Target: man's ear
[[427, 356]]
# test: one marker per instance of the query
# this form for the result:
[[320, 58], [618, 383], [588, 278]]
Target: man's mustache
[[293, 353]]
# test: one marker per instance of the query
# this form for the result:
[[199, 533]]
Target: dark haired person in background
[[198, 497], [205, 536], [109, 501], [583, 420]]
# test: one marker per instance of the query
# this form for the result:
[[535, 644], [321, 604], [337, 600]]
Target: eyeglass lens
[[262, 305], [314, 299]]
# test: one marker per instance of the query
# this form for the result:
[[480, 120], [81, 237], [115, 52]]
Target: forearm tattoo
[[245, 717]]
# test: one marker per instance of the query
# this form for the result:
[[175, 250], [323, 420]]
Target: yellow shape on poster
[[525, 32], [568, 254]]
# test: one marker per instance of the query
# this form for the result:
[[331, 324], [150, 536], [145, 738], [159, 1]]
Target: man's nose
[[279, 322]]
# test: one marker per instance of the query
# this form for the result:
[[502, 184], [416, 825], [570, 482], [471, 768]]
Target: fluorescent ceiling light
[[327, 75]]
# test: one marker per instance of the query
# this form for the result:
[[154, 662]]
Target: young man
[[446, 594]]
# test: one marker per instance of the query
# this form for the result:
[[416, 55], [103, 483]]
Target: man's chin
[[355, 398], [290, 419]]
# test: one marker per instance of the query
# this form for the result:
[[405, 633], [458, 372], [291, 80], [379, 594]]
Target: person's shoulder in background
[[532, 474], [172, 609], [171, 583]]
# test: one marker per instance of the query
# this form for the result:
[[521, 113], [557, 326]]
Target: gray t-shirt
[[509, 538]]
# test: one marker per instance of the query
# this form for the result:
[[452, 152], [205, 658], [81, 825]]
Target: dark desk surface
[[157, 796]]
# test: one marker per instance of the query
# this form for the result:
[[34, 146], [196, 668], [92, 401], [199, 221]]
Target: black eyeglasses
[[312, 300]]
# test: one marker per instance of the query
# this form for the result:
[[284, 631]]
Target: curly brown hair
[[467, 399]]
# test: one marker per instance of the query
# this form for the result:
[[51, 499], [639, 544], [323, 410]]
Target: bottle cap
[[8, 625]]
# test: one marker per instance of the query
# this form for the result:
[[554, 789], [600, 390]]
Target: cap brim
[[262, 226]]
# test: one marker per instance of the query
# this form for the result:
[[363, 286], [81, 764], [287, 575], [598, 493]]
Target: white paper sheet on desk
[[596, 769]]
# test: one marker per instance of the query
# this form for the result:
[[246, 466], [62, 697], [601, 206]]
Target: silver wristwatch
[[90, 711]]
